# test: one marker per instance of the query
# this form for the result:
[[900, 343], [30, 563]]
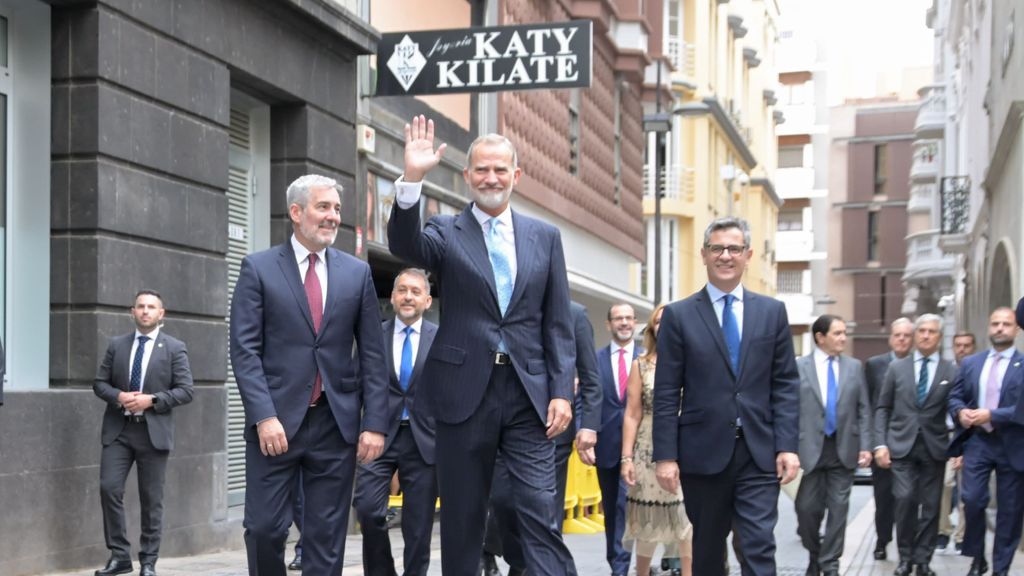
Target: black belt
[[502, 359], [403, 423], [135, 418]]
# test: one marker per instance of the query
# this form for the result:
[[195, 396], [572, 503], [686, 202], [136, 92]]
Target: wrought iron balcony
[[956, 204]]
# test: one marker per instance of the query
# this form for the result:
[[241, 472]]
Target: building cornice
[[769, 189], [731, 131]]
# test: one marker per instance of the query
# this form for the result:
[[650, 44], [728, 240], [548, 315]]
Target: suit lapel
[[751, 317], [706, 311], [810, 369], [526, 237], [845, 375], [604, 359], [335, 287], [290, 272], [122, 365], [427, 332], [941, 374], [389, 352], [1011, 378], [471, 238], [156, 356]]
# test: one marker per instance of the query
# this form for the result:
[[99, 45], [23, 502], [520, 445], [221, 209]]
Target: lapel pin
[[160, 345], [1016, 364]]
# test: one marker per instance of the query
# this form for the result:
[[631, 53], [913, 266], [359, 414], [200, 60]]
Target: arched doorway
[[1001, 279]]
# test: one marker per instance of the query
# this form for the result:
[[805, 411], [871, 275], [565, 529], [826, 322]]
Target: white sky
[[868, 44]]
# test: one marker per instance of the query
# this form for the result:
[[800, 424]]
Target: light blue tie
[[500, 264], [830, 401], [405, 370], [731, 330]]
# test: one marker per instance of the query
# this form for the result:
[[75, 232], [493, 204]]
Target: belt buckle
[[739, 432], [502, 359]]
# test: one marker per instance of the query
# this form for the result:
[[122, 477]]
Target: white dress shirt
[[147, 353], [398, 341], [615, 361], [302, 257], [1004, 363], [718, 301], [821, 366], [933, 367]]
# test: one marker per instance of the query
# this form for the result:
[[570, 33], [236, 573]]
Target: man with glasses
[[726, 406], [613, 365]]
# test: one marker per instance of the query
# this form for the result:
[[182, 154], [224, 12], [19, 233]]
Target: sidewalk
[[588, 551]]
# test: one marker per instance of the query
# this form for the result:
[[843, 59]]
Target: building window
[[881, 169], [790, 281], [791, 220], [791, 156], [872, 236], [574, 132]]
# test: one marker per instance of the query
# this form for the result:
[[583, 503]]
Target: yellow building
[[720, 155]]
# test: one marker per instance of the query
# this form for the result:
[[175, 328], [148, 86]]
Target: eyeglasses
[[622, 318], [718, 249]]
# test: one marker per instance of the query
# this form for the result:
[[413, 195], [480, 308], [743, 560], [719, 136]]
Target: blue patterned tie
[[500, 264], [830, 402], [922, 382], [731, 330], [405, 370], [135, 383]]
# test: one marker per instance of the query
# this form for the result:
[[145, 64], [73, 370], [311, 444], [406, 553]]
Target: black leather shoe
[[516, 571], [296, 563], [978, 567], [813, 569], [902, 569], [1001, 573], [924, 570], [147, 570], [880, 552], [488, 566], [830, 573], [115, 567]]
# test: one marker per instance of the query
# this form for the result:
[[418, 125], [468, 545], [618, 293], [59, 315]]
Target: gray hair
[[900, 321], [418, 272], [298, 190], [493, 139], [925, 318], [726, 223]]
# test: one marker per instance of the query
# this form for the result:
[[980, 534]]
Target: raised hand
[[420, 156]]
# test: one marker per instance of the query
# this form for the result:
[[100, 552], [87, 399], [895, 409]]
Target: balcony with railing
[[922, 197], [794, 288], [683, 56], [931, 116], [926, 259], [678, 182], [796, 246], [800, 119], [794, 183], [955, 208], [925, 165]]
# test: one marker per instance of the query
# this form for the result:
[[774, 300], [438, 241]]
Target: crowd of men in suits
[[479, 409]]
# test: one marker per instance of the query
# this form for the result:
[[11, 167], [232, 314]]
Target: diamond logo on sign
[[406, 62]]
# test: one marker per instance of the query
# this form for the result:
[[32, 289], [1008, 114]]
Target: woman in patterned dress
[[653, 516]]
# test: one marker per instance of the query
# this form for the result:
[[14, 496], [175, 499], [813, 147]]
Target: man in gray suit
[[901, 337], [911, 438], [835, 438], [144, 374]]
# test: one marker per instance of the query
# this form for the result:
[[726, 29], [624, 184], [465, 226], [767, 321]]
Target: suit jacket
[[275, 353], [874, 375], [693, 359], [853, 413], [587, 407], [965, 394], [168, 379], [899, 420], [608, 450], [420, 420], [536, 328]]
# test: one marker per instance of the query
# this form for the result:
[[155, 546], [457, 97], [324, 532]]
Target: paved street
[[588, 551]]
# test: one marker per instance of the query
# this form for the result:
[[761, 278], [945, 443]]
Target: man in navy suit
[[985, 395], [613, 364], [144, 375], [727, 354], [500, 372], [298, 310], [409, 448]]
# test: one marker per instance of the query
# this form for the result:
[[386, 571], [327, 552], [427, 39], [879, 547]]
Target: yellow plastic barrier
[[395, 501], [578, 496]]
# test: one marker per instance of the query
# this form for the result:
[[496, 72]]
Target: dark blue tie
[[731, 330], [405, 370], [135, 383], [830, 401], [922, 382]]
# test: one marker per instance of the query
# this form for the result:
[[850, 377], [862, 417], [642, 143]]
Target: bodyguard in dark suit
[[901, 338], [911, 436], [500, 372], [735, 436], [835, 438], [983, 403], [587, 410], [409, 448], [144, 375], [298, 310], [614, 363]]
